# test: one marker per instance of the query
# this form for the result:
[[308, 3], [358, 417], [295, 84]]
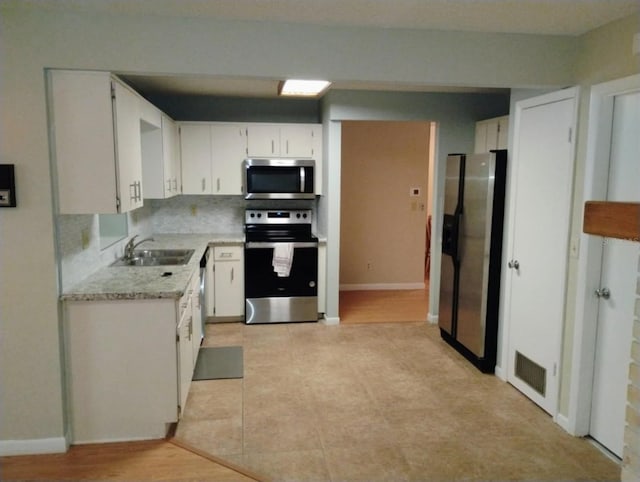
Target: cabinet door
[[210, 284], [196, 315], [152, 164], [195, 149], [229, 149], [185, 355], [129, 154], [492, 136], [297, 141], [263, 140], [481, 138], [81, 113], [229, 281], [170, 157], [503, 132]]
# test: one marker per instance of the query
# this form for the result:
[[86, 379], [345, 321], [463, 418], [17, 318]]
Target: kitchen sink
[[156, 257]]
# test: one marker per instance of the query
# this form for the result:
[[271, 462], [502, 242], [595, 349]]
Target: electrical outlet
[[85, 238], [369, 266], [194, 209]]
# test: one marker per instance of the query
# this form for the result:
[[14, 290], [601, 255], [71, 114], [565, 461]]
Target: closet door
[[540, 197]]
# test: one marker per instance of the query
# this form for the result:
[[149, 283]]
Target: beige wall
[[382, 238], [604, 54]]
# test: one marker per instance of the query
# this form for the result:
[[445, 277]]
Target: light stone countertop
[[148, 282]]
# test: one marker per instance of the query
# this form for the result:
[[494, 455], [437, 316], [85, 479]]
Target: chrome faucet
[[130, 246]]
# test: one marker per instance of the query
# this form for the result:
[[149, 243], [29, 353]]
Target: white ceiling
[[545, 17]]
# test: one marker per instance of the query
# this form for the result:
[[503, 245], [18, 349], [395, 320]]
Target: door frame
[[504, 344], [589, 262]]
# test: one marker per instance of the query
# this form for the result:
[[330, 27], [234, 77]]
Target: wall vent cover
[[531, 373]]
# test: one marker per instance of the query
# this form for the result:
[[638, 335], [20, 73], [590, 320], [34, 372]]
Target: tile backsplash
[[197, 214]]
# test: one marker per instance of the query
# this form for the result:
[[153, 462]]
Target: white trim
[[55, 445], [433, 319], [504, 357], [595, 187], [500, 373], [563, 421], [382, 286], [330, 320]]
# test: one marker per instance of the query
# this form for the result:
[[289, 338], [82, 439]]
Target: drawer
[[227, 253]]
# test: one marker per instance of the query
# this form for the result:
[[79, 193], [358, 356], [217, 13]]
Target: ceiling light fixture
[[304, 88]]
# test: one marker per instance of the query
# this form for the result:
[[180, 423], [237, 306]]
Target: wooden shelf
[[612, 220]]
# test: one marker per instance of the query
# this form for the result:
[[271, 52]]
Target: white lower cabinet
[[129, 366], [228, 281], [185, 354]]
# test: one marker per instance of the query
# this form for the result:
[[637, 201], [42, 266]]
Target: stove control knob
[[312, 284], [304, 215], [253, 215], [259, 215]]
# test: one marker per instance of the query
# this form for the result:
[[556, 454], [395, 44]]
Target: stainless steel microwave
[[279, 178]]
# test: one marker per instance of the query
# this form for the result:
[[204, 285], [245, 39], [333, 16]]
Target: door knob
[[514, 264], [603, 293]]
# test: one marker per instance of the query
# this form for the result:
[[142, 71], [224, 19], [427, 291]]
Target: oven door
[[280, 299]]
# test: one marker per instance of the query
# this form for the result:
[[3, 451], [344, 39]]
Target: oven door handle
[[261, 245]]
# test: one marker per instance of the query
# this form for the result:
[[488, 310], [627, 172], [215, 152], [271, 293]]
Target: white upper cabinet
[[195, 152], [228, 151], [283, 140], [95, 125], [213, 152], [160, 158], [491, 134], [171, 157]]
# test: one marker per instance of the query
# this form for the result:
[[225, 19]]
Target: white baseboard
[[433, 319], [54, 445], [499, 372], [563, 421], [328, 320], [382, 286]]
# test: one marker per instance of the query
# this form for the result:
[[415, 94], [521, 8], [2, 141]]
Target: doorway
[[385, 191], [602, 335]]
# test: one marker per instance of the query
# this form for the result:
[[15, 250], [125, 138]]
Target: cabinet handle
[[175, 184], [218, 185], [190, 328], [287, 146], [203, 184], [169, 185], [273, 147], [232, 274]]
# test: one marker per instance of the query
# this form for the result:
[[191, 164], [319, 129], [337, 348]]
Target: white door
[[618, 276], [540, 193]]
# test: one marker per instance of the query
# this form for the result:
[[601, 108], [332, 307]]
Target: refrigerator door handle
[[514, 264]]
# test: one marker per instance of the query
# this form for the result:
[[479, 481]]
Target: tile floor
[[384, 401]]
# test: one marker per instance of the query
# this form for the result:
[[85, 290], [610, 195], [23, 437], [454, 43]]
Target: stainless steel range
[[281, 267]]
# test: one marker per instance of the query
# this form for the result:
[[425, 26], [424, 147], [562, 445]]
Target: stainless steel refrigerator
[[471, 255]]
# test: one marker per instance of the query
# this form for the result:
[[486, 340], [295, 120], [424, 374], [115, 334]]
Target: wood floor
[[148, 460], [384, 306]]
